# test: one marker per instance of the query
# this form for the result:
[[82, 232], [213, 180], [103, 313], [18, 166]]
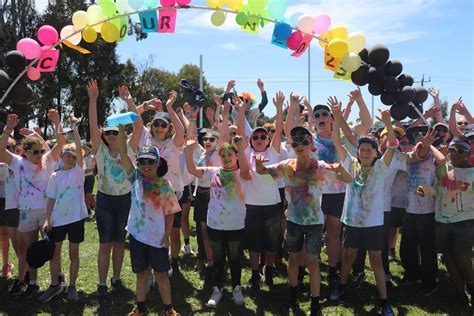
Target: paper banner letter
[[252, 25], [149, 21], [48, 60], [303, 46], [330, 63], [167, 21], [278, 42]]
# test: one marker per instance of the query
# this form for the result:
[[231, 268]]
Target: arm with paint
[[5, 155], [93, 93], [77, 142], [122, 149], [392, 141], [188, 155], [278, 102], [336, 133], [243, 163], [336, 111], [178, 138]]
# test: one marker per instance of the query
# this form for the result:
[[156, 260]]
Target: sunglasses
[[300, 140], [108, 133], [209, 139], [262, 137], [146, 161], [37, 152], [462, 123], [321, 113], [442, 130], [458, 151], [162, 124], [233, 134]]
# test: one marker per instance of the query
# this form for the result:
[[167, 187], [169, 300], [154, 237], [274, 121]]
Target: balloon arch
[[345, 53]]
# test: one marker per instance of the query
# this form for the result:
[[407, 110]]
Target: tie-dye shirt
[[67, 188], [454, 194], [212, 160], [399, 162], [152, 200], [421, 173], [32, 180], [11, 187], [400, 190], [364, 202], [112, 178], [304, 189], [226, 209]]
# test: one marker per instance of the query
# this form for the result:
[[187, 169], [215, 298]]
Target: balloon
[[356, 42], [136, 4], [29, 47], [375, 88], [215, 3], [407, 94], [95, 15], [277, 9], [378, 55], [421, 95], [47, 35], [412, 112], [22, 93], [391, 84], [393, 68], [66, 33], [325, 36], [351, 62], [4, 80], [33, 74], [164, 3], [306, 24], [405, 80], [257, 6], [109, 32], [241, 18], [339, 31], [234, 4], [89, 35], [15, 60], [364, 55], [361, 76], [185, 2], [79, 19], [295, 17], [399, 111], [109, 8], [122, 6], [218, 18], [282, 31], [153, 3], [337, 48], [387, 98], [322, 22], [376, 76], [294, 40]]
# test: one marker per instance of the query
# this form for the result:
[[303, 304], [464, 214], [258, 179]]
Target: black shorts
[[201, 204], [284, 202], [143, 256], [369, 238], [455, 237], [112, 216], [89, 184], [187, 196], [74, 232], [298, 235], [10, 218], [396, 217], [332, 204], [262, 228]]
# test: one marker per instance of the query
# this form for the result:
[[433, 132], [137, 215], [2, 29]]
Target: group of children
[[270, 189]]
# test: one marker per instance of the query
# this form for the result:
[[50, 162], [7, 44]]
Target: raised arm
[[126, 96], [122, 149], [309, 109], [178, 137], [278, 102], [12, 122], [93, 92], [436, 102], [53, 116], [453, 128], [29, 133], [211, 116], [239, 105], [336, 133], [293, 114], [364, 114], [264, 101], [217, 112], [188, 154], [224, 135], [77, 142], [347, 111], [392, 142], [243, 163], [348, 133], [190, 116]]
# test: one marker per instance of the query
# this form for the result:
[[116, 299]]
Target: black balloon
[[375, 88], [22, 93], [387, 98], [4, 80], [393, 68], [421, 95], [391, 84], [412, 112], [407, 94], [15, 60], [364, 55], [360, 77], [405, 80], [376, 75], [399, 111], [378, 55]]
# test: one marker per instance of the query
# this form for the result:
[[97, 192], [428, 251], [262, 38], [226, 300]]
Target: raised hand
[[125, 94], [335, 167], [230, 85], [53, 116], [429, 138], [335, 105], [279, 99], [238, 103], [306, 103], [434, 93], [217, 100], [92, 89], [355, 95], [153, 105], [433, 111], [73, 120], [260, 85], [26, 132], [385, 117], [457, 105], [294, 99], [12, 121], [171, 99], [191, 142]]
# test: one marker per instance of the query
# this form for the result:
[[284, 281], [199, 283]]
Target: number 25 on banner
[[342, 74], [330, 62]]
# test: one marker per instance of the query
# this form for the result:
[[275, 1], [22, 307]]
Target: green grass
[[189, 297]]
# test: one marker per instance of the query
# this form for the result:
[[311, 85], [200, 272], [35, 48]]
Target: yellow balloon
[[325, 36], [339, 31], [337, 48], [218, 18], [234, 4], [109, 32], [89, 35], [79, 19], [351, 62], [356, 42], [215, 3]]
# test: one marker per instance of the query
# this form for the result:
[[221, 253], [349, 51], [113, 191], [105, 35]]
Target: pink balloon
[[294, 40], [29, 47], [48, 35], [322, 22], [183, 2], [167, 3], [33, 74]]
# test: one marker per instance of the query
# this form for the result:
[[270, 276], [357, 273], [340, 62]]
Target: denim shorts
[[455, 237], [144, 256], [112, 216], [262, 228], [298, 235]]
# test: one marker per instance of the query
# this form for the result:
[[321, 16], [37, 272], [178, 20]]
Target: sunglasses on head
[[160, 124], [146, 161], [321, 113], [108, 133], [458, 151], [209, 139], [462, 123], [262, 137], [37, 152]]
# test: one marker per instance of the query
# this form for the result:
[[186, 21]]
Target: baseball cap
[[396, 129], [260, 129], [106, 127], [469, 131], [460, 141], [40, 252], [165, 117], [151, 152], [300, 131], [321, 107]]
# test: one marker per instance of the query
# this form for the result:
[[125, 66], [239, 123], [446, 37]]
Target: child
[[65, 214], [150, 221]]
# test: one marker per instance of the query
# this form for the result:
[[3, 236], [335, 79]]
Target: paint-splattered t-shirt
[[226, 209], [400, 190], [11, 187], [112, 178], [364, 203], [32, 180], [152, 200], [421, 173], [303, 190], [67, 188], [399, 162], [454, 194], [211, 159]]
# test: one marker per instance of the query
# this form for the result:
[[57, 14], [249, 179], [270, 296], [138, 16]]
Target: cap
[[414, 131], [165, 117], [398, 130], [469, 131], [460, 141], [260, 129], [106, 127], [368, 140], [40, 252], [150, 152], [300, 131], [439, 126], [322, 107]]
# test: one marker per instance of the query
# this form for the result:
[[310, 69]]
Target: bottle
[[122, 119]]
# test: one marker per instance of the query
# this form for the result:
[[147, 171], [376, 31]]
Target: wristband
[[192, 120], [8, 130], [392, 146]]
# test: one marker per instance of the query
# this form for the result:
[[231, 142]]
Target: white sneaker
[[237, 295], [187, 250], [215, 297]]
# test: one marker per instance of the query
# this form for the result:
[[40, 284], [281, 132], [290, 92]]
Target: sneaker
[[255, 283], [101, 291], [406, 281], [18, 287], [136, 312], [187, 250], [50, 293], [72, 293], [31, 290], [237, 295], [172, 313], [293, 299], [428, 290], [387, 310], [337, 293], [358, 279], [117, 286], [315, 310], [215, 297], [269, 276], [7, 270], [458, 300]]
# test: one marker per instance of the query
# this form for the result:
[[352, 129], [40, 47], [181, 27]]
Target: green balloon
[[108, 8], [241, 18]]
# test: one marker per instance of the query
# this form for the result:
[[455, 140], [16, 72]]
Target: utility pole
[[309, 74], [422, 81], [201, 87]]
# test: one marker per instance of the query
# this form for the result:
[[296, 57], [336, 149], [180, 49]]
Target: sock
[[383, 302], [102, 284], [168, 307], [32, 282], [301, 271], [255, 274], [114, 279], [141, 307], [186, 241], [315, 302], [332, 271], [268, 269], [293, 294]]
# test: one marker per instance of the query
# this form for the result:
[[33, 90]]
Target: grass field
[[189, 296]]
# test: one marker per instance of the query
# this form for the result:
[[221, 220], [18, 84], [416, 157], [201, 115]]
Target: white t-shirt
[[399, 162], [326, 151], [11, 187], [32, 181], [111, 176], [420, 173], [364, 201], [3, 173], [400, 190], [261, 189], [151, 202], [67, 188], [212, 160], [226, 210], [90, 164]]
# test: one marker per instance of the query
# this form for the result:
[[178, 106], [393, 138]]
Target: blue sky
[[431, 37]]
